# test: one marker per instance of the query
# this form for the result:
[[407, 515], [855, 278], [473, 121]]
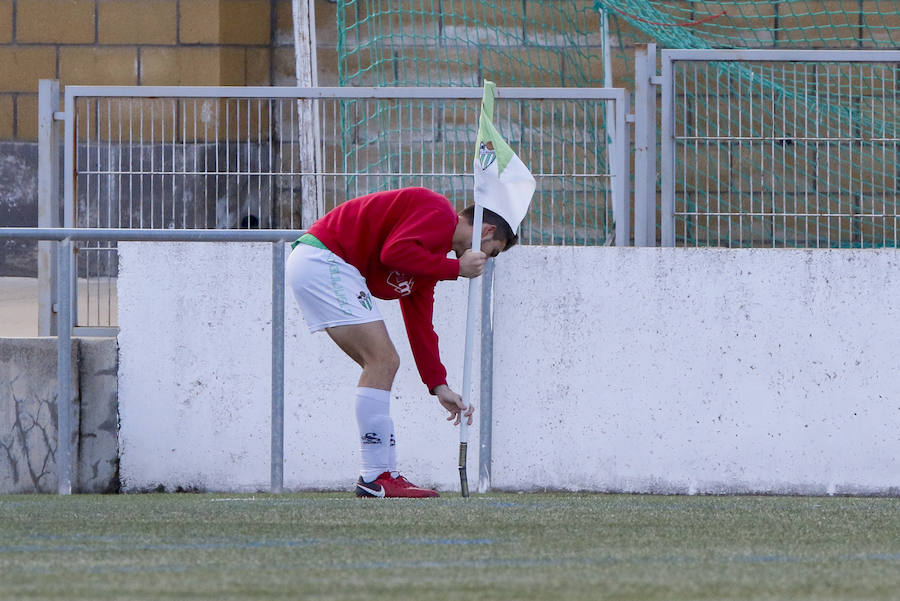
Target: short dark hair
[[503, 231]]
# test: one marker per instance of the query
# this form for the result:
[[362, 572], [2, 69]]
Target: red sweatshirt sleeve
[[418, 245], [418, 310]]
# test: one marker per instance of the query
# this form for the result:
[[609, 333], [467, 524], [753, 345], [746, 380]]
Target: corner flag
[[504, 186], [503, 183]]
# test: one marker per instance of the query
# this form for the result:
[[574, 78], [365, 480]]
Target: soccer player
[[391, 245]]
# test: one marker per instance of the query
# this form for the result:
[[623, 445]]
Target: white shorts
[[330, 291]]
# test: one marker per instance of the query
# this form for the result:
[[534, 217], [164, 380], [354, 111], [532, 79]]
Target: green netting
[[534, 43], [798, 154], [802, 24], [803, 155], [463, 42]]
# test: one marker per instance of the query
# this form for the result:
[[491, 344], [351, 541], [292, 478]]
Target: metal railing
[[66, 237], [262, 157]]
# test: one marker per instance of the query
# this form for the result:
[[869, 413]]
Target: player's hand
[[454, 404], [471, 264]]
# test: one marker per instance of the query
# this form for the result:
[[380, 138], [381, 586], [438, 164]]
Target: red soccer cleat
[[421, 491], [386, 486]]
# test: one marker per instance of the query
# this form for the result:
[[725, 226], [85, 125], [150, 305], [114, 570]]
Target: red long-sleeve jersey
[[399, 241]]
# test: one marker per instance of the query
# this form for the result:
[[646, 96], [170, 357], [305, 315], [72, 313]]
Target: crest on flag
[[486, 154]]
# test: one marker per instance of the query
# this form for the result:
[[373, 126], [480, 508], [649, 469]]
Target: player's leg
[[333, 297], [370, 346]]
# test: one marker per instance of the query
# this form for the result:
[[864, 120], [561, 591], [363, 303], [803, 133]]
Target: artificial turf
[[496, 546]]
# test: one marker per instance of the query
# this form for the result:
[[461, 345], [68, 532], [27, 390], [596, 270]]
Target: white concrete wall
[[646, 370], [195, 374]]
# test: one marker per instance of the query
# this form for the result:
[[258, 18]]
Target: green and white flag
[[503, 183]]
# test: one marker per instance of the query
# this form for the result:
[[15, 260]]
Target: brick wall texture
[[250, 42], [143, 42]]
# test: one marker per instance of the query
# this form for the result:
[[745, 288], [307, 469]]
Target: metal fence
[[780, 148], [758, 148], [258, 158]]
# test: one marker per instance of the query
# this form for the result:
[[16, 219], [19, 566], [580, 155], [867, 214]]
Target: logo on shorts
[[365, 299], [400, 282], [334, 272]]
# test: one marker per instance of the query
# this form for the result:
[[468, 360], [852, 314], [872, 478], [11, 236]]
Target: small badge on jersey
[[400, 282]]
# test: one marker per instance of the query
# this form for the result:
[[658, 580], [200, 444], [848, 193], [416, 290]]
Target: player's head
[[502, 230]]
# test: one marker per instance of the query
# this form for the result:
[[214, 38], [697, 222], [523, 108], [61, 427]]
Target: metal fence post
[[69, 206], [667, 155], [277, 457], [64, 369], [645, 146], [48, 202], [621, 179], [487, 379]]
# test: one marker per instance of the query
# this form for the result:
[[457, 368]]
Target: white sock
[[376, 430]]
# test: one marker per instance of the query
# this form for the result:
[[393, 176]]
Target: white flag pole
[[472, 322]]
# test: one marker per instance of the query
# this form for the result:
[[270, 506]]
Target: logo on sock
[[370, 438], [393, 442]]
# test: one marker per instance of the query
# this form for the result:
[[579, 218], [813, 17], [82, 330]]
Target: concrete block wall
[[146, 42], [18, 205], [28, 415], [97, 467], [130, 42]]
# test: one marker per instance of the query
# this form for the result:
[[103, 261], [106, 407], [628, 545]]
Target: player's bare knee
[[390, 364], [382, 367]]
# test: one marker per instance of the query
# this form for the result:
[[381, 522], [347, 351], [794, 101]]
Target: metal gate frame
[[667, 132]]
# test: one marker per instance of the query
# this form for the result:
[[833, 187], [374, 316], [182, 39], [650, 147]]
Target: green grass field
[[496, 546]]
